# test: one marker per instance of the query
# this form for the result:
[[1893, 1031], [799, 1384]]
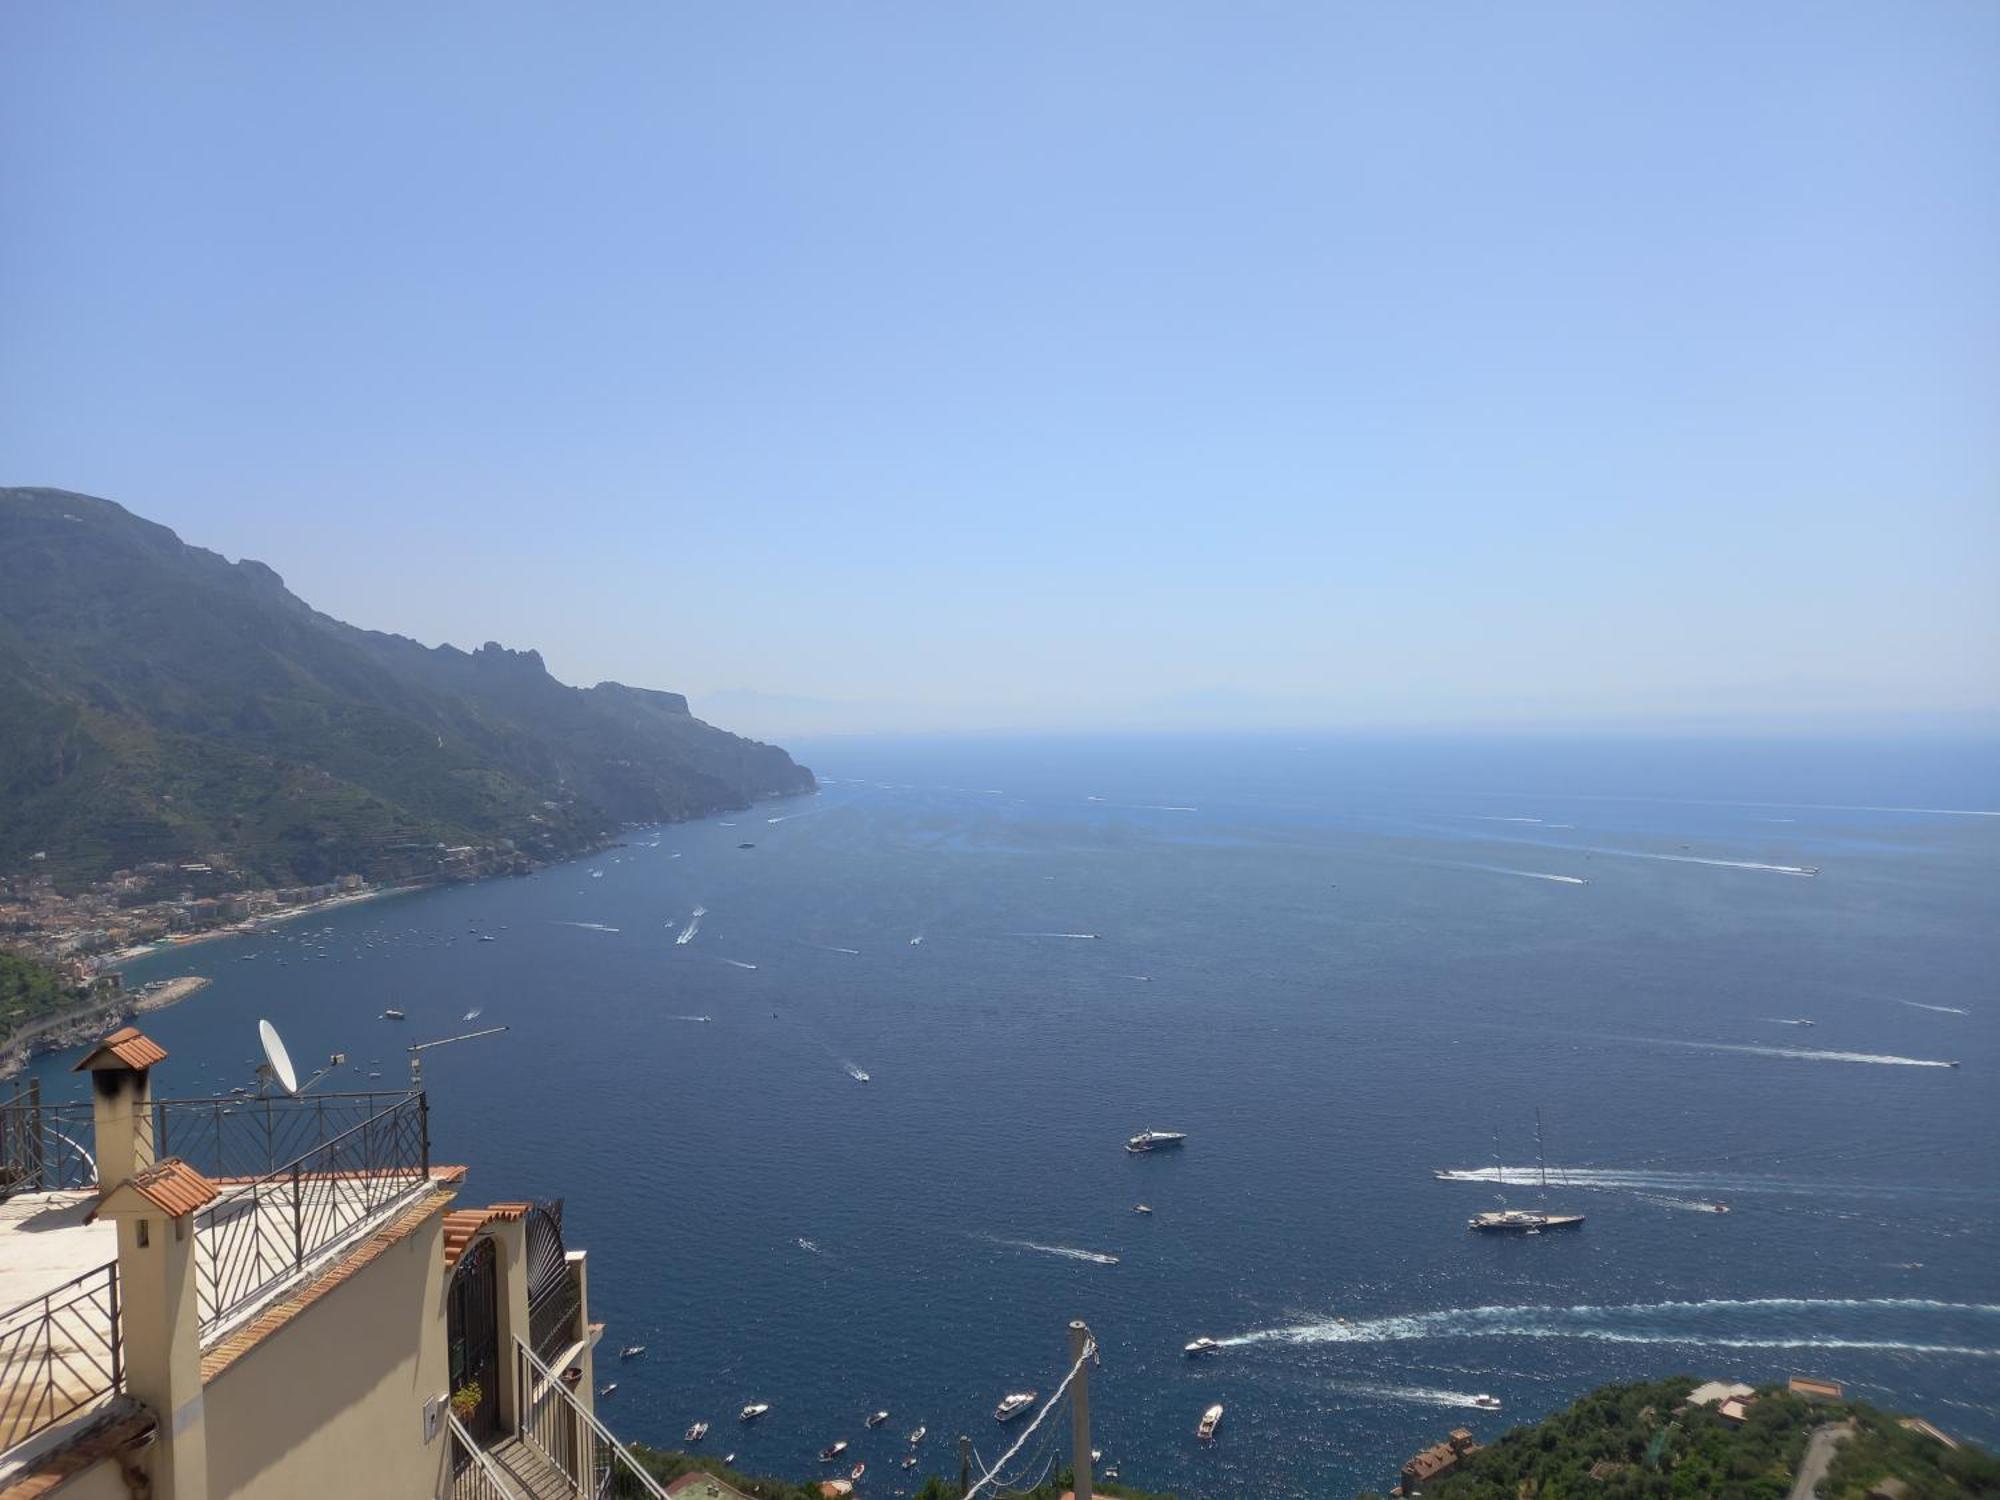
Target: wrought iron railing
[[46, 1147], [553, 1321], [59, 1352], [42, 1146], [252, 1137], [271, 1229], [568, 1436], [473, 1475]]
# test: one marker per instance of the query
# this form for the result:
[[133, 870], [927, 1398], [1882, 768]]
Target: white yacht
[[832, 1451], [875, 1419], [753, 1411], [918, 1436], [1155, 1140], [1485, 1402], [1202, 1345], [1210, 1420], [1012, 1406], [697, 1432]]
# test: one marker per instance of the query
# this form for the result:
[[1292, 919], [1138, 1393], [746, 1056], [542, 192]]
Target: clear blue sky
[[1050, 365]]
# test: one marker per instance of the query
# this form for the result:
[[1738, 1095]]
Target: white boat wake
[[1943, 1010], [1068, 1252], [737, 963], [1416, 1394], [588, 926], [1052, 934], [1798, 1054], [1672, 1183], [1453, 864], [687, 1018], [687, 933], [808, 1246], [1755, 1323]]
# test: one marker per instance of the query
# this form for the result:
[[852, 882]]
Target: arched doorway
[[472, 1334]]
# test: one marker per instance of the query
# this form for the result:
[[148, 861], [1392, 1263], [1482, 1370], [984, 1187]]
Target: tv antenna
[[277, 1064], [417, 1048]]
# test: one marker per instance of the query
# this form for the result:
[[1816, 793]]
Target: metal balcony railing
[[569, 1437], [251, 1137], [48, 1147], [473, 1475], [269, 1230], [59, 1352], [44, 1147]]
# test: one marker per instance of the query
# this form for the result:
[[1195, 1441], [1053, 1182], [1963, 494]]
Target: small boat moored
[[632, 1351], [857, 1471], [875, 1419], [697, 1432], [1155, 1140], [1142, 1208], [918, 1436], [832, 1451], [753, 1411], [1011, 1406], [1210, 1420]]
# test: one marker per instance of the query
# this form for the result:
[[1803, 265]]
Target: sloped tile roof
[[171, 1186], [126, 1047], [463, 1225]]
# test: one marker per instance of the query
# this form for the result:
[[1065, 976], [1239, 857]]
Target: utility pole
[[964, 1463], [1079, 1410]]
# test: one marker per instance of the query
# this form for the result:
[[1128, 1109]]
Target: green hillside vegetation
[[1640, 1445], [29, 990], [1880, 1449], [158, 702]]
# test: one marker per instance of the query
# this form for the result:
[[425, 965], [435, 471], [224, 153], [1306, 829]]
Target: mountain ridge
[[159, 702]]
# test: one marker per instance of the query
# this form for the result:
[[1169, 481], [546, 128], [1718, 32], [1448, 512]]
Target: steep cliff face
[[160, 702]]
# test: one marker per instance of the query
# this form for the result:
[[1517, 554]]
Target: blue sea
[[1338, 966]]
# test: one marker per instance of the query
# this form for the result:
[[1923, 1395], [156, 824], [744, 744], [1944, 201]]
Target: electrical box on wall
[[434, 1416]]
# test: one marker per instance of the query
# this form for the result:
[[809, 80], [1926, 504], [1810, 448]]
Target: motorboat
[[753, 1411], [697, 1432], [1210, 1420], [1013, 1405], [832, 1451], [606, 1390], [1485, 1402], [857, 1471], [392, 1014], [1142, 1208], [918, 1436], [875, 1419], [1155, 1140], [632, 1351], [1202, 1345], [909, 1460]]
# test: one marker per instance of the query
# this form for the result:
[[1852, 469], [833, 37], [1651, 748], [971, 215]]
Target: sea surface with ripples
[[1340, 967]]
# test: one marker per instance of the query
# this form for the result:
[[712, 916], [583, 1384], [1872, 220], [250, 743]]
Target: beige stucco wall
[[101, 1481], [333, 1402]]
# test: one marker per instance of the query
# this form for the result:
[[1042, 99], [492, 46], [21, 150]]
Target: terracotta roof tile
[[124, 1425], [171, 1186], [463, 1225], [126, 1047]]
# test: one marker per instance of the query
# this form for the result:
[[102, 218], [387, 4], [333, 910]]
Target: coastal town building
[[278, 1297], [1436, 1461]]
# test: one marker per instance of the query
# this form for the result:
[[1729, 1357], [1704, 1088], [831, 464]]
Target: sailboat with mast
[[1505, 1220]]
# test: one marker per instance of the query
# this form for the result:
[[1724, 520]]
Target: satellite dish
[[278, 1058]]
